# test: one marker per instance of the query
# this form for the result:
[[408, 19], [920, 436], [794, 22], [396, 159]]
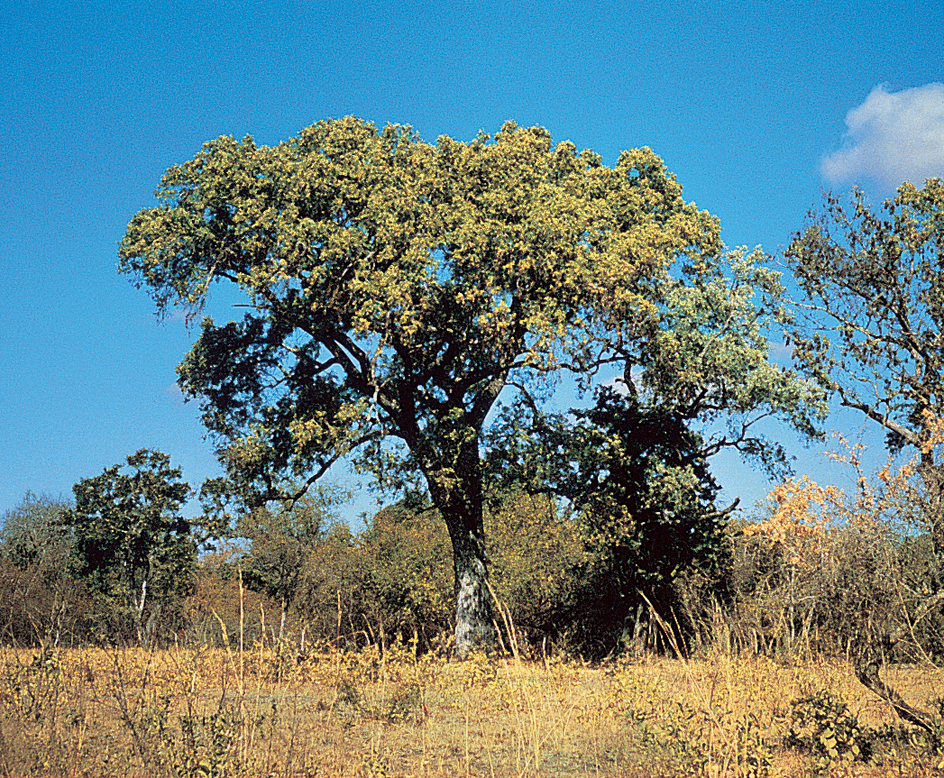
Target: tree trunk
[[474, 627], [139, 612], [867, 671], [457, 493], [871, 656]]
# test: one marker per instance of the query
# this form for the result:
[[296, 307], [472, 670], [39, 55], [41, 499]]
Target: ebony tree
[[396, 290], [636, 464]]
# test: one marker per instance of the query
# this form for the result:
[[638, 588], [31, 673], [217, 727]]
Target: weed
[[210, 743], [374, 765], [822, 724]]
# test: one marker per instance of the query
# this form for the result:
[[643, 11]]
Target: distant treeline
[[812, 573]]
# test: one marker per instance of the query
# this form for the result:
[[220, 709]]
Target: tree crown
[[396, 287], [874, 289]]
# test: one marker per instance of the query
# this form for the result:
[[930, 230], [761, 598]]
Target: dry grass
[[211, 712]]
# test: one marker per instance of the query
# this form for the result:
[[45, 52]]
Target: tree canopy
[[131, 545], [397, 290], [874, 289]]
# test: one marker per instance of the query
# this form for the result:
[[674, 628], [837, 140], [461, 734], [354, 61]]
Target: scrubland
[[265, 712]]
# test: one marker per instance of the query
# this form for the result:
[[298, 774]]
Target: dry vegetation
[[211, 712], [822, 620]]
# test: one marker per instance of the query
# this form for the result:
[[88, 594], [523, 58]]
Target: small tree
[[33, 531], [39, 602], [405, 571], [329, 592], [282, 539], [786, 565], [132, 546], [874, 290], [536, 551]]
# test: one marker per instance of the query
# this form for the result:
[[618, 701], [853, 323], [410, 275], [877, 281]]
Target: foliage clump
[[822, 724]]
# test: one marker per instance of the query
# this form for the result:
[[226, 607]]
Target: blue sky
[[757, 107]]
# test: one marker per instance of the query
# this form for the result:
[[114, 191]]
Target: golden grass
[[213, 712]]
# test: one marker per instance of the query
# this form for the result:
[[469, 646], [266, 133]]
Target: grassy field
[[258, 712]]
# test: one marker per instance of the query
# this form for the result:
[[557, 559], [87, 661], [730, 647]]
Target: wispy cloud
[[173, 391], [892, 137]]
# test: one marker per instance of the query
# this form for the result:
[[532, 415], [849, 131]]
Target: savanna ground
[[259, 712]]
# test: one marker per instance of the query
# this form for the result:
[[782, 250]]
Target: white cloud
[[893, 137]]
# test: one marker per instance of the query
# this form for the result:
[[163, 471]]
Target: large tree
[[396, 289]]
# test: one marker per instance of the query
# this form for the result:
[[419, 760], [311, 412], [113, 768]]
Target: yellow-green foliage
[[406, 568], [214, 712], [533, 553]]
